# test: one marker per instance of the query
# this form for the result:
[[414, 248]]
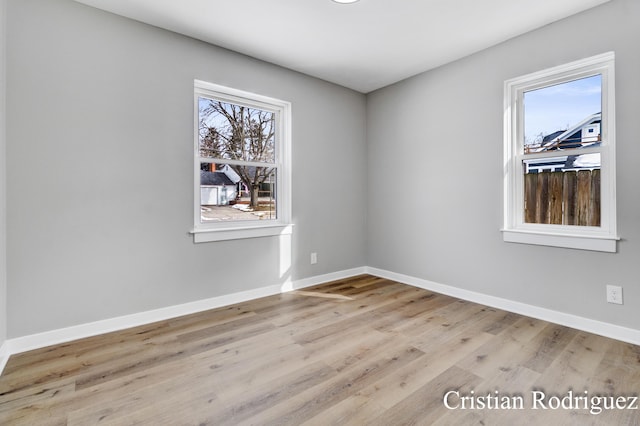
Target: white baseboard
[[56, 337], [321, 279], [613, 331], [4, 356], [63, 335]]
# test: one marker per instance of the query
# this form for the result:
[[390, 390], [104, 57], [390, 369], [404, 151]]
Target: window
[[560, 156], [242, 164]]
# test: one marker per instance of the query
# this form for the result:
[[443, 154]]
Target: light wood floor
[[359, 351]]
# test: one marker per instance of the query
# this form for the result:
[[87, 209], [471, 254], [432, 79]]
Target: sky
[[561, 106]]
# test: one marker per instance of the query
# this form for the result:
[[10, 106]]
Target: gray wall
[[413, 171], [3, 180], [100, 111], [441, 134]]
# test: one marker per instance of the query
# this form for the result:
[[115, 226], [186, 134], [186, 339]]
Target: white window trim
[[515, 230], [207, 232]]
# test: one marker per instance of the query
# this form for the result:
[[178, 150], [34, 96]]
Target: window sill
[[582, 242], [209, 235]]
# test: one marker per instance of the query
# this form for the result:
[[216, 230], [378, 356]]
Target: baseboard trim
[[4, 355], [585, 324], [59, 336], [64, 335]]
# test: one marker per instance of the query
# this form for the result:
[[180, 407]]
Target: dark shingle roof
[[553, 135], [214, 178]]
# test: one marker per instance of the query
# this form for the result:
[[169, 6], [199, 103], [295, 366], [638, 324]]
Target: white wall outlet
[[614, 294], [314, 258]]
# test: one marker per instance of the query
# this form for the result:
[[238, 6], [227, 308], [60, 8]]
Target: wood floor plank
[[409, 378], [506, 351], [330, 393], [354, 410], [360, 351], [577, 364], [547, 345], [429, 400], [159, 355], [259, 398]]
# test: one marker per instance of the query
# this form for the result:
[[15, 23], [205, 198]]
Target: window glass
[[239, 183], [236, 132], [563, 116], [561, 187]]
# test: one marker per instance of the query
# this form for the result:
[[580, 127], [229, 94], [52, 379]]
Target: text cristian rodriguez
[[453, 400]]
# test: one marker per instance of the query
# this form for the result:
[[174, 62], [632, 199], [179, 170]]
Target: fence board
[[584, 196], [555, 198], [569, 198], [594, 203], [530, 183], [542, 198]]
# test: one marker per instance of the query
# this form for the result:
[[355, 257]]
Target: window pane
[[562, 190], [235, 132], [563, 116], [236, 193]]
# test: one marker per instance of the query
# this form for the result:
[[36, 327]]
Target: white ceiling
[[363, 46]]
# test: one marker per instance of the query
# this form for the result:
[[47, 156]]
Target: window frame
[[221, 231], [603, 238]]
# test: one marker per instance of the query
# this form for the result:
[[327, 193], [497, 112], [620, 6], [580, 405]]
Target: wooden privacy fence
[[563, 198]]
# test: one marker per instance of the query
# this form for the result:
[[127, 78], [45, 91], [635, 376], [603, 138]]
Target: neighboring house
[[267, 186], [223, 185], [216, 188], [584, 134], [231, 174]]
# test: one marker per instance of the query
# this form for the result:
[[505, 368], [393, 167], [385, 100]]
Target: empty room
[[369, 212]]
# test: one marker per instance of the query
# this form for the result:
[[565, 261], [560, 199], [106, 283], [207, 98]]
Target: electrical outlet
[[614, 294], [314, 258]]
